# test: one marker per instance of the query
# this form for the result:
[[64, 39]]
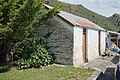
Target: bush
[[33, 53], [4, 68], [20, 19]]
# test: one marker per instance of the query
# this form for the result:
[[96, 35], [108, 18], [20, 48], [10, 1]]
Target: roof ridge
[[76, 20]]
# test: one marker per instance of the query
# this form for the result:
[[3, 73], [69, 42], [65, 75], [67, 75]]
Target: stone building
[[74, 40]]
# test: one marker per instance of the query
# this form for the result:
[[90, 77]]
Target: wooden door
[[99, 49], [84, 46]]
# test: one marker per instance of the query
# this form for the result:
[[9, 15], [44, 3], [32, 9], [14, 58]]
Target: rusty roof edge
[[74, 24], [77, 24], [92, 28], [80, 25], [90, 22]]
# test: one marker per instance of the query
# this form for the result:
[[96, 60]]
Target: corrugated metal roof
[[76, 20]]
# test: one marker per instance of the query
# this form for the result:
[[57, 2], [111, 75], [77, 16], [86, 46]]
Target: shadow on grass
[[4, 68]]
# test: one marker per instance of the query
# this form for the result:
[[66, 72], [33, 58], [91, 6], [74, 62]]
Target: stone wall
[[60, 41]]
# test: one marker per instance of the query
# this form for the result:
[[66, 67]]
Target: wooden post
[[117, 41]]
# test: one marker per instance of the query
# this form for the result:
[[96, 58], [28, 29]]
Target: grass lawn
[[47, 73]]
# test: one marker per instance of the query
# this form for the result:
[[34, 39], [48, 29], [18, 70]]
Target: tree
[[19, 20]]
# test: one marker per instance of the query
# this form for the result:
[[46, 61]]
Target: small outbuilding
[[74, 40]]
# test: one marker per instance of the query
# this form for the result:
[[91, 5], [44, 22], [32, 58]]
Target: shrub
[[4, 68], [33, 53], [20, 19]]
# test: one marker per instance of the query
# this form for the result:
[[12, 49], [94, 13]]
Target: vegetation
[[47, 73], [4, 69], [19, 21], [33, 53], [115, 19], [106, 22]]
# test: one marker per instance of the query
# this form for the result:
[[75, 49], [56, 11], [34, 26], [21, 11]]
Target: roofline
[[91, 28], [79, 25], [49, 7], [113, 32], [66, 20]]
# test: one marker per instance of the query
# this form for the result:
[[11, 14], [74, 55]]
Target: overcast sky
[[103, 7]]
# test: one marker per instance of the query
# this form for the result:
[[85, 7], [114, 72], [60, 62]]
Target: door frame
[[84, 44]]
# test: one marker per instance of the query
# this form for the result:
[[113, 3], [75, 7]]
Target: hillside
[[115, 19], [111, 23]]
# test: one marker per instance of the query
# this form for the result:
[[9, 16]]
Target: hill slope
[[108, 23], [115, 19]]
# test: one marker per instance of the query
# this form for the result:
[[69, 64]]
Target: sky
[[104, 7]]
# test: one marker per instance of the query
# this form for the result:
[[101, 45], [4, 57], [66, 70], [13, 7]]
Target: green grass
[[47, 73]]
